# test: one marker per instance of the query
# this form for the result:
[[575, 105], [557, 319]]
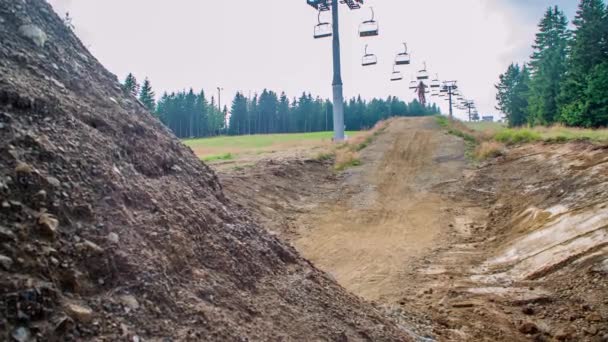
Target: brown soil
[[514, 249], [110, 229]]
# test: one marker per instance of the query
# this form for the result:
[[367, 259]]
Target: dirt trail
[[513, 249], [387, 213]]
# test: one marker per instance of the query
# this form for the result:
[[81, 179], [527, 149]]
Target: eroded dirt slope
[[510, 250], [111, 229]]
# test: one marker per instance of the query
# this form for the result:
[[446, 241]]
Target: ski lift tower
[[449, 88], [469, 106], [338, 96]]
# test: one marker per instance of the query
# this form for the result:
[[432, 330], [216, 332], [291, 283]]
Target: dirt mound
[[110, 228]]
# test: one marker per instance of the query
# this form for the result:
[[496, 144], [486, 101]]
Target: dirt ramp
[[111, 229]]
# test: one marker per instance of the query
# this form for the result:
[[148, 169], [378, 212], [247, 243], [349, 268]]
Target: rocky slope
[[110, 228]]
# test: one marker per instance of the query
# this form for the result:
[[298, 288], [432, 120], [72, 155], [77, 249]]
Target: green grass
[[443, 121], [522, 135], [484, 126], [217, 157], [351, 163], [517, 136], [325, 156], [258, 141]]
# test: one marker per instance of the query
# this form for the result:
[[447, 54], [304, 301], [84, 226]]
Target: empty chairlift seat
[[323, 29], [396, 75], [435, 83], [403, 58], [369, 28], [369, 58], [423, 74]]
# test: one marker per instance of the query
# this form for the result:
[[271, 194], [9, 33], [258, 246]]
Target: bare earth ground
[[514, 249]]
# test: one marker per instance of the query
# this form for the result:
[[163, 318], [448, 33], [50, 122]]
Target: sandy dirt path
[[386, 213]]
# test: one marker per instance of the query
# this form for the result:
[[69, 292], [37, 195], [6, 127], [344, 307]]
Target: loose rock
[[49, 225], [6, 262], [21, 334], [34, 33], [78, 312], [129, 301], [113, 238]]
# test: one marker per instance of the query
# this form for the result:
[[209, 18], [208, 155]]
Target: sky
[[242, 45]]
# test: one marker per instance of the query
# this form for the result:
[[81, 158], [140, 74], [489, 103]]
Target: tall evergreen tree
[[548, 65], [512, 94], [238, 115], [131, 85], [588, 49], [146, 95]]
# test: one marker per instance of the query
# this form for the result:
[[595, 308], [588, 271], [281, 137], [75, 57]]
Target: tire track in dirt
[[387, 214]]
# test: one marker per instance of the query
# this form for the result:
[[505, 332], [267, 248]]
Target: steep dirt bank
[[110, 229], [512, 250]]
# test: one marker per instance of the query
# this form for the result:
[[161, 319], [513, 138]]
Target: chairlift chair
[[435, 83], [369, 28], [403, 58], [423, 74], [369, 58], [322, 29], [396, 75], [413, 84]]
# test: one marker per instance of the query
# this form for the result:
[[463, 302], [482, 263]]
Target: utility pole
[[219, 99], [219, 105]]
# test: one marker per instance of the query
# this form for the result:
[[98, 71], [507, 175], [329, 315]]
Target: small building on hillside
[[488, 118]]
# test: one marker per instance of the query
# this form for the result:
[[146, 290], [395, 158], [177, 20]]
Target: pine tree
[[131, 85], [238, 115], [283, 113], [512, 94], [589, 48], [146, 95], [548, 66]]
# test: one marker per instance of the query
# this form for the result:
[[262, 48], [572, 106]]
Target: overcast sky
[[250, 45]]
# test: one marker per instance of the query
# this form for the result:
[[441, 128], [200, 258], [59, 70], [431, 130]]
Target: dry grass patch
[[489, 149], [346, 159]]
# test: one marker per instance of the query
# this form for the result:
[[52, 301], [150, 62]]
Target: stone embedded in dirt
[[21, 334], [88, 246], [48, 224], [129, 301], [34, 33], [528, 328], [6, 262], [78, 312], [23, 168], [594, 317], [7, 235], [565, 334], [54, 182], [591, 331], [113, 238]]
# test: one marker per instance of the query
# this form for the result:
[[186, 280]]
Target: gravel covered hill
[[111, 229]]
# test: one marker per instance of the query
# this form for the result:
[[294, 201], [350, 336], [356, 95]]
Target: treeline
[[273, 113], [189, 114], [566, 79]]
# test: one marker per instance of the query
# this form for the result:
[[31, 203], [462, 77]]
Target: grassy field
[[500, 133], [490, 139], [232, 147]]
